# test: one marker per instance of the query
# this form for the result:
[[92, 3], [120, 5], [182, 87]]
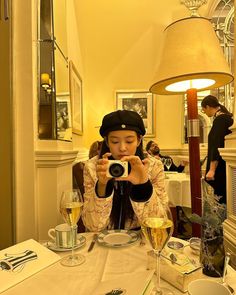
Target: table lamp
[[192, 61]]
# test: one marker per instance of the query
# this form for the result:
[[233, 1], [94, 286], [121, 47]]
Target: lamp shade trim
[[219, 78]]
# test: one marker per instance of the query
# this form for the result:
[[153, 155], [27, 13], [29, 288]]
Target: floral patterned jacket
[[96, 211]]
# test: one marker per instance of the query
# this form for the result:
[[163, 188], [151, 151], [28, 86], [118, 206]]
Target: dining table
[[102, 264], [177, 186]]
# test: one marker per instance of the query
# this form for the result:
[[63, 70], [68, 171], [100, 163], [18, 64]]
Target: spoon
[[227, 258]]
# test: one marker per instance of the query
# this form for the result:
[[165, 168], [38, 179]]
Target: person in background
[[95, 148], [113, 202], [78, 168], [216, 166], [153, 149]]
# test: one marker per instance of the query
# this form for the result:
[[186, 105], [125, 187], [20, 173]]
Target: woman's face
[[123, 143], [209, 111]]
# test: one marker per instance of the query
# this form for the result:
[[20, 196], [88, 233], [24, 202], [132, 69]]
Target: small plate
[[80, 242], [117, 238]]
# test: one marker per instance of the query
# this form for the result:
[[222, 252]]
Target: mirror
[[54, 120], [63, 104]]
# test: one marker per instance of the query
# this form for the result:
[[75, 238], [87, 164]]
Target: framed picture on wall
[[140, 102], [76, 99], [63, 107]]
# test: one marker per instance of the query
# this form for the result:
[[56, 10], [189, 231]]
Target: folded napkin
[[23, 260], [136, 283]]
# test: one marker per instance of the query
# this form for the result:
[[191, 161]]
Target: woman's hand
[[210, 175], [101, 169], [139, 170]]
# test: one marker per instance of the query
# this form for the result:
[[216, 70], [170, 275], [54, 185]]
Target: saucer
[[80, 242]]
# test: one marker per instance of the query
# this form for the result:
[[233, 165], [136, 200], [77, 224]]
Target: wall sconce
[[46, 83], [192, 61]]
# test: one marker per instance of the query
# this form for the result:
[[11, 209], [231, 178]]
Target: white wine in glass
[[71, 208], [157, 227]]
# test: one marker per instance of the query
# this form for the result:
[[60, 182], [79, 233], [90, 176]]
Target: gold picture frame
[[76, 95]]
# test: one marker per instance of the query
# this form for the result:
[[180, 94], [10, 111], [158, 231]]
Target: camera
[[117, 168]]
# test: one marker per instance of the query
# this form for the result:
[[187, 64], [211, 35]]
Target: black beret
[[122, 120]]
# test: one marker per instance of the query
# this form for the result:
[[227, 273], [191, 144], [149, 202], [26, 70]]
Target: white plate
[[80, 242], [117, 238]]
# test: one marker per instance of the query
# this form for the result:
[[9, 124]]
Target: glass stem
[[73, 228], [158, 274]]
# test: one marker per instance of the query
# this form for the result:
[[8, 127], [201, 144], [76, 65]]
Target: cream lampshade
[[191, 55]]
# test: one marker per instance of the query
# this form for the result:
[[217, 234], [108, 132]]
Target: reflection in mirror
[[54, 98], [47, 118], [223, 23], [63, 105]]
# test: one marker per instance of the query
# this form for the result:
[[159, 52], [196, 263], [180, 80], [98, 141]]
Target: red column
[[194, 158]]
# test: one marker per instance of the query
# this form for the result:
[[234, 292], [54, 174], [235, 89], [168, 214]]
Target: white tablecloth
[[101, 264], [177, 186]]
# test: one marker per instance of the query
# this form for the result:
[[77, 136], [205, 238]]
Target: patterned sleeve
[[157, 178], [96, 211]]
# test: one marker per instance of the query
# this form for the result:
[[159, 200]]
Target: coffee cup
[[204, 286], [61, 235]]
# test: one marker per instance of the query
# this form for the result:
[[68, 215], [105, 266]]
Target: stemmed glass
[[163, 160], [157, 227], [168, 163], [71, 208]]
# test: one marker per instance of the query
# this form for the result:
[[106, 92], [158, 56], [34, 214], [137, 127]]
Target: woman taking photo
[[116, 202], [216, 167]]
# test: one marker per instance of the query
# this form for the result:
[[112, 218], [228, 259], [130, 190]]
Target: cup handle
[[51, 234]]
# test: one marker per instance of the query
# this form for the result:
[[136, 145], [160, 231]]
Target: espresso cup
[[62, 235]]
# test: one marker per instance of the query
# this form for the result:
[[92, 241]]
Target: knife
[[95, 236]]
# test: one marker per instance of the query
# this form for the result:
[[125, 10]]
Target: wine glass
[[71, 207], [163, 160], [168, 163], [157, 227]]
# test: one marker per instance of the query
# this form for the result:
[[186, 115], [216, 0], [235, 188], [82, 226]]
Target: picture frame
[[76, 95], [63, 110], [141, 102]]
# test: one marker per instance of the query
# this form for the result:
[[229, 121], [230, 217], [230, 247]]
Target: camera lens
[[116, 170]]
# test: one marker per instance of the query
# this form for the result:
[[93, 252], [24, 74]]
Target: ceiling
[[109, 29]]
